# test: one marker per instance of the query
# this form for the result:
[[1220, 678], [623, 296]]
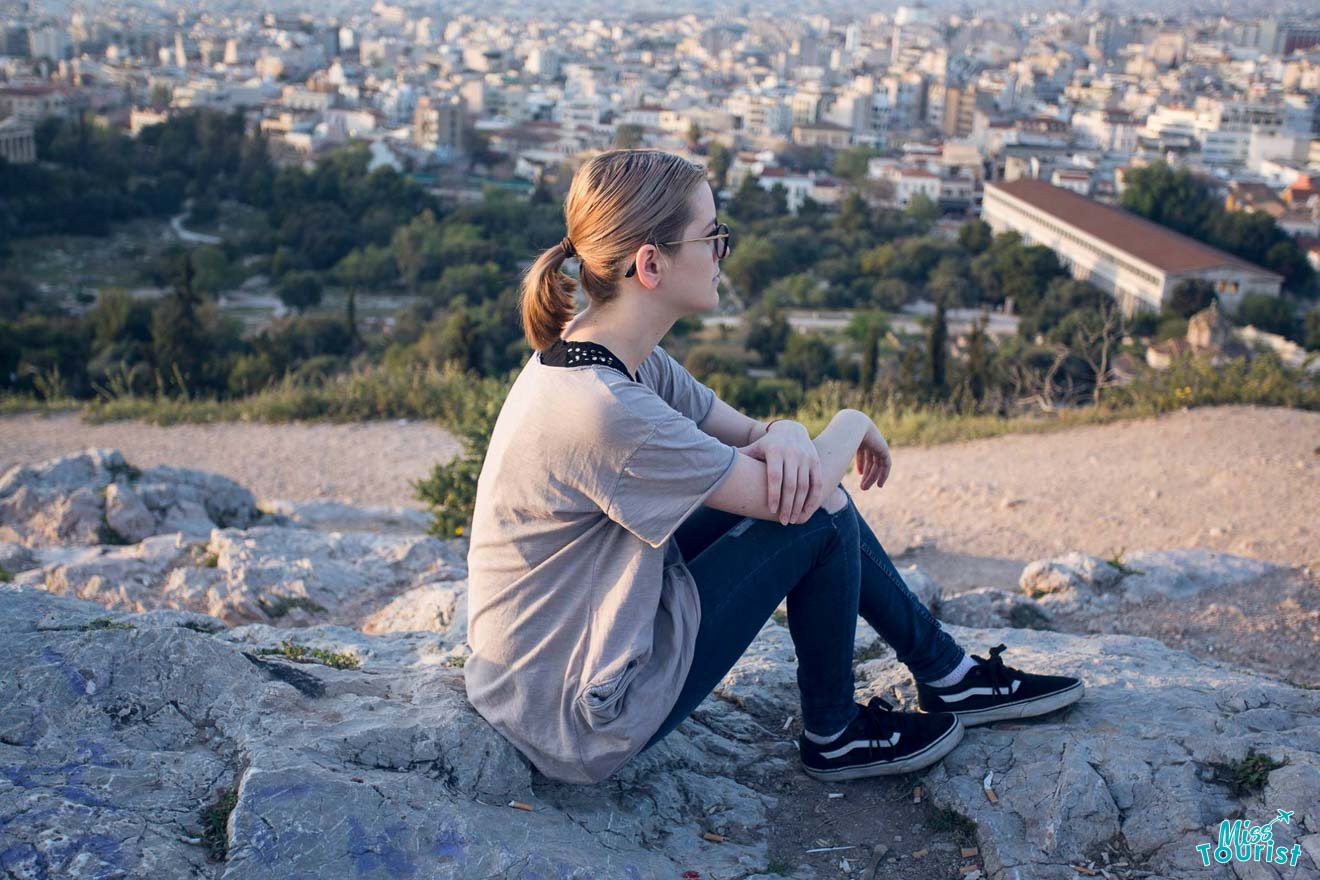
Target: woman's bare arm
[[743, 491]]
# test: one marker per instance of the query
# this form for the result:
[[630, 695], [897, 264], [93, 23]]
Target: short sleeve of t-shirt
[[668, 476], [679, 388]]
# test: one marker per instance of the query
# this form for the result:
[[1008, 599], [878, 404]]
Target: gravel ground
[[368, 463]]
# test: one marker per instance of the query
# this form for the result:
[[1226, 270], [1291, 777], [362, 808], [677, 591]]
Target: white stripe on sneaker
[[977, 692], [859, 743]]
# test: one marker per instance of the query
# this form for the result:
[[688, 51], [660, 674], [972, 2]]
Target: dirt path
[[1240, 479], [369, 463]]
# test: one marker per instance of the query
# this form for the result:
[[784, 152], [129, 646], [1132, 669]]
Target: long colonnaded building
[[1135, 260]]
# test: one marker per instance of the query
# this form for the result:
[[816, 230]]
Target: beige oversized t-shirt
[[582, 615]]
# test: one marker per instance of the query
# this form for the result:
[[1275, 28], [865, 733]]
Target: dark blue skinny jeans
[[831, 568]]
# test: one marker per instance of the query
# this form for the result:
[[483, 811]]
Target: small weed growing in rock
[[873, 651], [5, 575], [1117, 562], [1247, 775], [456, 662], [304, 654], [105, 623], [198, 627], [214, 820], [951, 821], [780, 616], [778, 866], [210, 560], [282, 605]]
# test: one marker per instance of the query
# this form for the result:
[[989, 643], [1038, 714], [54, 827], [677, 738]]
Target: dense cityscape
[[1001, 175]]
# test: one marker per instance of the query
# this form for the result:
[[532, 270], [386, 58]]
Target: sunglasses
[[720, 241]]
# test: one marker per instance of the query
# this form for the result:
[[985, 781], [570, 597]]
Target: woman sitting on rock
[[633, 533]]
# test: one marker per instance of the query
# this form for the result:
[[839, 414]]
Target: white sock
[[817, 738], [957, 675]]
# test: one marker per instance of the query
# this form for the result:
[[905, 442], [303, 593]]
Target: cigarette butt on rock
[[968, 851], [1087, 871], [967, 869], [713, 837], [519, 805], [989, 792], [916, 795], [920, 854]]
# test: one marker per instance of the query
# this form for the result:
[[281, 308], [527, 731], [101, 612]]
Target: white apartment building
[[1114, 131], [1073, 180], [1136, 261], [438, 125], [32, 103], [762, 115]]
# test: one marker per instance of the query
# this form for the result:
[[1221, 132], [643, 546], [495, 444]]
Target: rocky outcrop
[[178, 717], [1080, 584], [95, 497], [991, 607], [121, 730]]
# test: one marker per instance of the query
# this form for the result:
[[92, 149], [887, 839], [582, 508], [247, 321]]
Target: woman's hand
[[792, 470], [873, 459]]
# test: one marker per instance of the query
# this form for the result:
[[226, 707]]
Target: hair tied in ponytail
[[567, 247]]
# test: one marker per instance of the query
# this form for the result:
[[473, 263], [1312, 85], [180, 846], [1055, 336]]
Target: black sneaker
[[881, 742], [991, 691]]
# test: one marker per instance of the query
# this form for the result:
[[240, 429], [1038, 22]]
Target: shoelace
[[878, 710], [1000, 676]]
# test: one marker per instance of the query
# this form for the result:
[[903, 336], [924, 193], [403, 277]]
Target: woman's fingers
[[774, 476], [804, 488]]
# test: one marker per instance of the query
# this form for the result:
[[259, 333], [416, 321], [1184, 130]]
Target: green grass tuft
[[105, 623], [215, 818], [1248, 775], [304, 654], [951, 821], [1117, 562], [282, 605]]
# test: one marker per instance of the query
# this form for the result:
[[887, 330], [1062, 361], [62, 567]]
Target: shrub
[[1269, 313], [451, 489]]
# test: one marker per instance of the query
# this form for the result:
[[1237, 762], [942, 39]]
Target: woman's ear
[[648, 266]]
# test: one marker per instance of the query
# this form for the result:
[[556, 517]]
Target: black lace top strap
[[577, 353]]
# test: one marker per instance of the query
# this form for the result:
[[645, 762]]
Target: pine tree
[[936, 350]]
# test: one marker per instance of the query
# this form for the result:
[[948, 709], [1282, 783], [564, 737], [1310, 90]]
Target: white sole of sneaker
[[929, 755], [1025, 709]]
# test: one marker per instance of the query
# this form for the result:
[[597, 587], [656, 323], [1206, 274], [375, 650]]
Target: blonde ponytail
[[546, 299]]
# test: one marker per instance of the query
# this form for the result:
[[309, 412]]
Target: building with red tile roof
[[1137, 261]]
